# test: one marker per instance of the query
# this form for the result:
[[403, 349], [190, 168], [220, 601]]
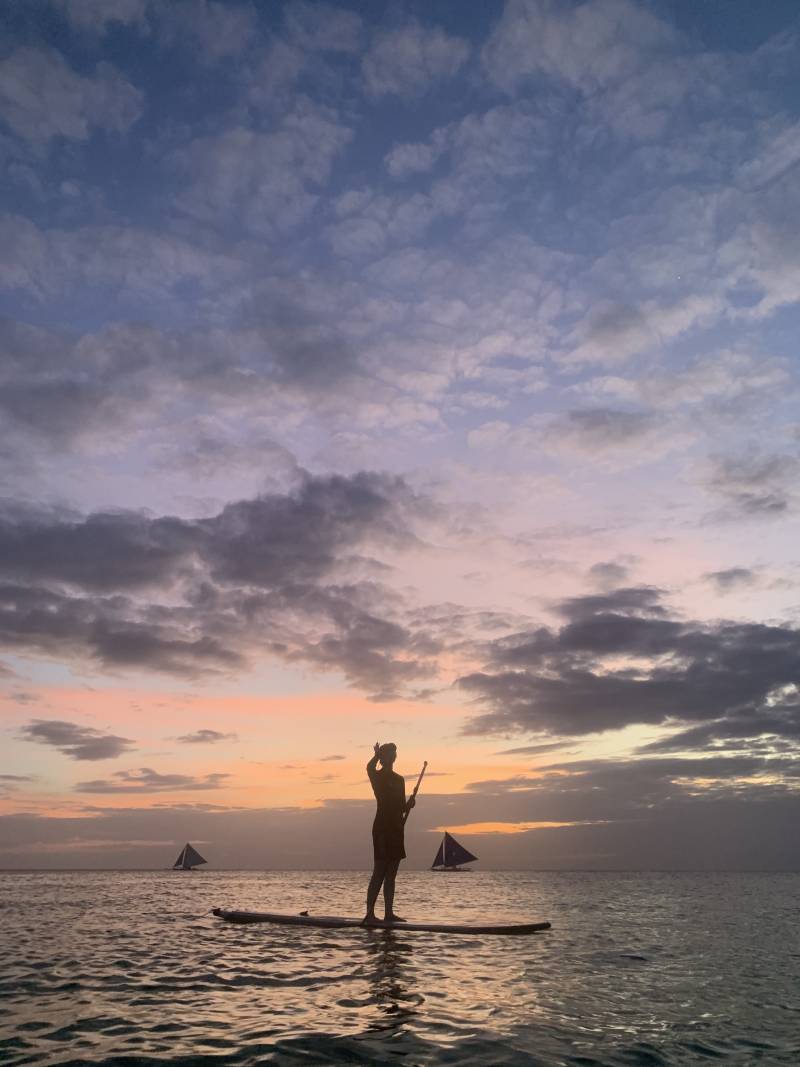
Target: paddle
[[416, 790]]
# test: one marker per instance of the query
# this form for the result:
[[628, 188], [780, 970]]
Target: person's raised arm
[[372, 766]]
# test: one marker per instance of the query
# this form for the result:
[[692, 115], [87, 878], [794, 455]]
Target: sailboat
[[451, 855], [188, 859]]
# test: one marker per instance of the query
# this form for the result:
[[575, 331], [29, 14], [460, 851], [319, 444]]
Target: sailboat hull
[[336, 922]]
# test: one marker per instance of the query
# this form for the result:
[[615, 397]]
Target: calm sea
[[650, 969]]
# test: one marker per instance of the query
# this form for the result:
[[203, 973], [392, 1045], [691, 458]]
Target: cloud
[[727, 380], [732, 578], [620, 659], [609, 575], [146, 780], [266, 541], [637, 805], [263, 575], [613, 333], [100, 552], [275, 539], [410, 60], [49, 264], [776, 728], [379, 655], [605, 435], [588, 46], [779, 156], [42, 98], [77, 742], [601, 429], [754, 485], [306, 351], [641, 600], [407, 159], [312, 35], [653, 813], [58, 410], [532, 750], [96, 16], [266, 182], [203, 737], [115, 632], [320, 27], [328, 759], [213, 31]]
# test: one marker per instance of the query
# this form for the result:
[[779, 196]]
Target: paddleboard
[[336, 922]]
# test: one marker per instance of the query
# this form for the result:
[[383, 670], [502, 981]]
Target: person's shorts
[[388, 843]]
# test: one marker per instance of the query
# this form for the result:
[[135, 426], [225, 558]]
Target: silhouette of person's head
[[387, 754]]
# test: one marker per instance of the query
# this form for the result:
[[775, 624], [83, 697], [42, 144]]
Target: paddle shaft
[[416, 790]]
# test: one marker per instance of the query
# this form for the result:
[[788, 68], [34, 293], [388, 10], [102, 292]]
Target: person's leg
[[374, 887], [388, 891]]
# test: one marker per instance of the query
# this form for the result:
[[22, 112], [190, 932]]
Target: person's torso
[[390, 792]]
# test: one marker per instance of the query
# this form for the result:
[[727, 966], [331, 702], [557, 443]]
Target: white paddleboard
[[336, 922]]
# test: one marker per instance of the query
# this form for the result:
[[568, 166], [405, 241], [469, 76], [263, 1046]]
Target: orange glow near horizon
[[504, 827]]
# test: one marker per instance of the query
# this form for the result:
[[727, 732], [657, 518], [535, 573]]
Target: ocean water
[[638, 969]]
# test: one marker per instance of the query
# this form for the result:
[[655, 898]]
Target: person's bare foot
[[395, 919], [372, 920]]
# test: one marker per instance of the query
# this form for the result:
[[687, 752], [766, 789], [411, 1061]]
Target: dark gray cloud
[[609, 574], [188, 597], [58, 410], [601, 429], [146, 780], [16, 778], [531, 750], [59, 392], [565, 681], [330, 759], [301, 349], [754, 484], [55, 391], [623, 787], [104, 551], [114, 631], [77, 742], [772, 729], [615, 323], [205, 737], [297, 536], [638, 600], [731, 578], [381, 656]]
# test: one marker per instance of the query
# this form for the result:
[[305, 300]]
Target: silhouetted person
[[387, 831]]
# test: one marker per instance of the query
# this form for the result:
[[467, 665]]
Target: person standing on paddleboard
[[387, 831]]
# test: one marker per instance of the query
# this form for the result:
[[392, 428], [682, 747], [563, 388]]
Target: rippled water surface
[[652, 969]]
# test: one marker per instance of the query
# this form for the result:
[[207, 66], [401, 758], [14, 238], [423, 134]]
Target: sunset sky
[[419, 371]]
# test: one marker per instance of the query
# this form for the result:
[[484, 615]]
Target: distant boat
[[451, 855], [188, 859]]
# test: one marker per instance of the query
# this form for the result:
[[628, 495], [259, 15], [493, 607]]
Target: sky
[[418, 371]]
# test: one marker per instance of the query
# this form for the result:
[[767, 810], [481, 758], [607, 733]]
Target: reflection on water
[[105, 968], [389, 971]]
